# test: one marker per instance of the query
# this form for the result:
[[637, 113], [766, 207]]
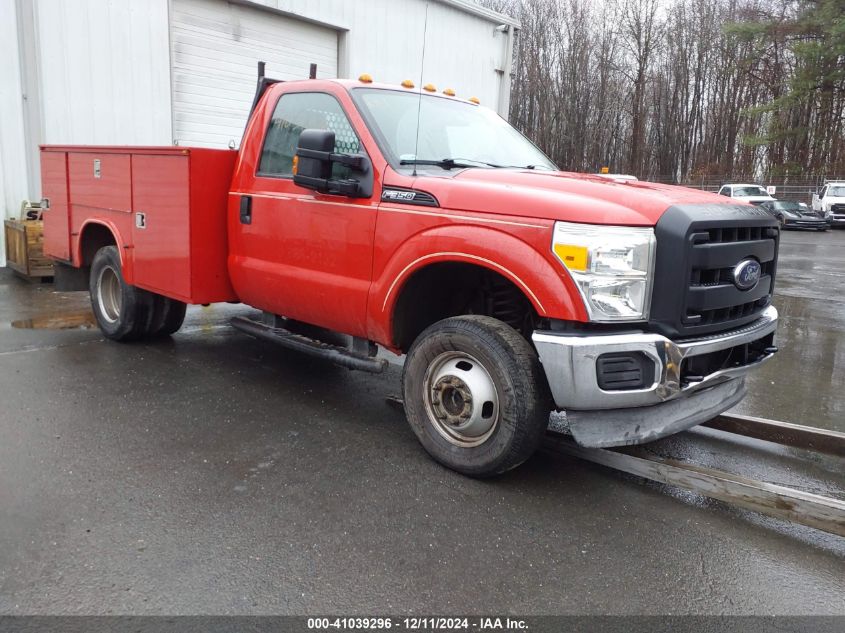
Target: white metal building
[[155, 72]]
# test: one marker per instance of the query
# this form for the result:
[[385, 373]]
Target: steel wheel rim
[[461, 399], [109, 294]]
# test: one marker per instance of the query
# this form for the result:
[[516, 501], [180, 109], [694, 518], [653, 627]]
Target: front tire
[[123, 312], [475, 395]]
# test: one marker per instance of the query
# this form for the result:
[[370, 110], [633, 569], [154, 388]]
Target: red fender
[[125, 259], [544, 281]]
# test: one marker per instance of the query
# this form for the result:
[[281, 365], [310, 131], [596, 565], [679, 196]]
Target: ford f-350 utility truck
[[513, 288]]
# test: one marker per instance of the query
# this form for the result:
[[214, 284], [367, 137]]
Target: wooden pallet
[[25, 249]]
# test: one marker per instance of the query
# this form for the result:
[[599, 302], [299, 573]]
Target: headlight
[[613, 267]]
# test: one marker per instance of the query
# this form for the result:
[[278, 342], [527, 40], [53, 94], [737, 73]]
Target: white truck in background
[[830, 202], [753, 194]]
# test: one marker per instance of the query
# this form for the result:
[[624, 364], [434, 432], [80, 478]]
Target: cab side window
[[299, 111], [824, 191], [725, 191]]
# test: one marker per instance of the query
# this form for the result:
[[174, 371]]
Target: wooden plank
[[15, 246], [806, 437], [809, 509]]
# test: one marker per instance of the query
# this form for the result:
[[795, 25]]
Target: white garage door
[[215, 48]]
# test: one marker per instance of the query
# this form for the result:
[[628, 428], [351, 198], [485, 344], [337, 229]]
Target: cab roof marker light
[[366, 78], [408, 84], [430, 88], [475, 100], [449, 92]]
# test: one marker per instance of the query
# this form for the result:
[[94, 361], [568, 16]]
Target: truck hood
[[559, 195]]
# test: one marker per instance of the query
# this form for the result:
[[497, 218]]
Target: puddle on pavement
[[65, 321]]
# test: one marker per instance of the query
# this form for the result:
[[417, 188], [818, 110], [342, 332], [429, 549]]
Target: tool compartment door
[[57, 218], [161, 224]]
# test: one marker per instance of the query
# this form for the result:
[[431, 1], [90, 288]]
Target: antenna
[[419, 103]]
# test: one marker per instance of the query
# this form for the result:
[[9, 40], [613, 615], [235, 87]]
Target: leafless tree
[[681, 89]]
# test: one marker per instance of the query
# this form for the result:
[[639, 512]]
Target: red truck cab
[[425, 224]]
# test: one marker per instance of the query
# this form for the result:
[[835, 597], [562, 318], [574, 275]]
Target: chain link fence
[[797, 188]]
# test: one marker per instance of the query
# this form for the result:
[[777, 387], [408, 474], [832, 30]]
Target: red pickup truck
[[425, 224]]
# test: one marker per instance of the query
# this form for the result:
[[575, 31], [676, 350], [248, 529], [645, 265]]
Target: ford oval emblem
[[747, 274]]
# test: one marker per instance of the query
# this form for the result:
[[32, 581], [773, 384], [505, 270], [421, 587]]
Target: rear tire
[[475, 395], [168, 316], [123, 312], [174, 319]]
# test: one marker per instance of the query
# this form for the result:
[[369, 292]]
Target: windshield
[[786, 206], [750, 191], [838, 192], [469, 135]]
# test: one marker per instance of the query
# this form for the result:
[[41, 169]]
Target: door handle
[[246, 209]]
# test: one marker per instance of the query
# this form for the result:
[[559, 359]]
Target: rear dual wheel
[[475, 395], [124, 312]]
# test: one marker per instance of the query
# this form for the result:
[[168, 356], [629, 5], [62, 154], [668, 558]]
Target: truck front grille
[[698, 249], [712, 296]]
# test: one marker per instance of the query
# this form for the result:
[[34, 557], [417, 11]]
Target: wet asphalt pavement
[[211, 473], [805, 382]]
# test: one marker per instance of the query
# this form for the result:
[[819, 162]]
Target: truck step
[[334, 353]]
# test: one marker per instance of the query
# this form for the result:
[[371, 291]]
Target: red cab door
[[299, 253]]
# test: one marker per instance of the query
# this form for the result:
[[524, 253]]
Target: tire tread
[[529, 387]]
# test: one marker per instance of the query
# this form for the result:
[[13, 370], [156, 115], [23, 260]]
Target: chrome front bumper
[[570, 366]]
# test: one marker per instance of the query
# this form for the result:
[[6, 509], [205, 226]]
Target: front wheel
[[475, 395]]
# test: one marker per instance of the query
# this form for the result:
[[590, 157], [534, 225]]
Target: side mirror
[[313, 164]]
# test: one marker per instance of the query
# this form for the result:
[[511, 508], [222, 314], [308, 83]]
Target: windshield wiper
[[464, 163], [449, 163]]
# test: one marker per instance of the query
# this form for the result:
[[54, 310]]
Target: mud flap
[[69, 278]]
